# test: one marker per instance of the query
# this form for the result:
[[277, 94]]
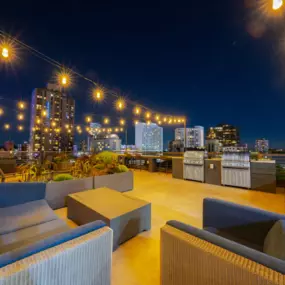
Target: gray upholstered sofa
[[38, 248], [237, 245]]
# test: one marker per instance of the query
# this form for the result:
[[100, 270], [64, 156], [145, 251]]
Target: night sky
[[215, 61]]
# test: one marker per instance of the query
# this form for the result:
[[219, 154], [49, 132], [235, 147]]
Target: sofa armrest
[[188, 259], [84, 260], [223, 215]]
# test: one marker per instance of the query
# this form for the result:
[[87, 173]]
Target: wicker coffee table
[[127, 216]]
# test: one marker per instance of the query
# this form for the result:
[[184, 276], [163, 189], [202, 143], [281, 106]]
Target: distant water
[[279, 159]]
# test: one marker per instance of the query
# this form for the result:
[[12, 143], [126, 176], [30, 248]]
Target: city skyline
[[207, 75]]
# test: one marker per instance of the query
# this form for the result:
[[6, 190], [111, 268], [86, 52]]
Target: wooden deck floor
[[137, 261]]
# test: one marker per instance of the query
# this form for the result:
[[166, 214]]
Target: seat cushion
[[31, 235], [25, 215], [46, 243], [274, 243], [230, 235], [12, 194]]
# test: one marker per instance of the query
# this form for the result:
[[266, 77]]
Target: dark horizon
[[214, 63]]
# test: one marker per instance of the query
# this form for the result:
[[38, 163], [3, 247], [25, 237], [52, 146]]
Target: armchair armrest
[[83, 260], [197, 257], [250, 223]]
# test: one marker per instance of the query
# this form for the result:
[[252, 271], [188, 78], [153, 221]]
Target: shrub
[[107, 157], [122, 168], [62, 177], [99, 166]]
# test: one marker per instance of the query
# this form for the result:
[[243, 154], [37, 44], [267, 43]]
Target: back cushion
[[19, 193], [274, 243], [25, 215]]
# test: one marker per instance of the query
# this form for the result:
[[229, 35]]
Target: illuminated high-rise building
[[262, 145], [149, 137], [194, 136], [52, 120], [227, 135]]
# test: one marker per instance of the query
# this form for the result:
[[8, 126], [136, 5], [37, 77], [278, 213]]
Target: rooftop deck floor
[[136, 262]]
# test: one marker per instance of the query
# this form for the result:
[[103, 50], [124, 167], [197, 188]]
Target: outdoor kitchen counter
[[263, 175], [177, 167]]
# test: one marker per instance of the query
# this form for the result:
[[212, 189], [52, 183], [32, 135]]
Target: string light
[[148, 115], [277, 4], [179, 120], [44, 113], [157, 117], [116, 129], [7, 50], [20, 128], [106, 121], [122, 122], [38, 121], [53, 124], [64, 78], [159, 122], [121, 129], [20, 117], [6, 126], [78, 128], [164, 119], [120, 104], [87, 129], [148, 122], [88, 119], [137, 110], [21, 105], [1, 111], [98, 94], [136, 122]]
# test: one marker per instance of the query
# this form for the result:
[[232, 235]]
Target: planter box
[[56, 192], [121, 182], [8, 165], [64, 166]]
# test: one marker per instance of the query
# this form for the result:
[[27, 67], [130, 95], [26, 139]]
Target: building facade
[[102, 142], [149, 137], [194, 136], [213, 145], [227, 135], [176, 146], [262, 145], [52, 120]]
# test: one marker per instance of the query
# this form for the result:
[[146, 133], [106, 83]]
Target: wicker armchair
[[191, 256]]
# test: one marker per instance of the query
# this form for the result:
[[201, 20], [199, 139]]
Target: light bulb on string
[[120, 104], [122, 122], [148, 115], [20, 128], [20, 117], [1, 112], [21, 105], [137, 110], [7, 126], [106, 121]]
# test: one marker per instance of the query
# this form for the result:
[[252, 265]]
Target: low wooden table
[[127, 216]]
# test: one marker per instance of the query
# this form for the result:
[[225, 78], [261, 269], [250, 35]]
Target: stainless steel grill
[[236, 169], [194, 165]]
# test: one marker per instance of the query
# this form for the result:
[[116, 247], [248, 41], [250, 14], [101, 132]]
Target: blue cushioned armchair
[[38, 248], [228, 250]]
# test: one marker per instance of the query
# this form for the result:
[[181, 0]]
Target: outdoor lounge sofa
[[38, 248], [237, 245]]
